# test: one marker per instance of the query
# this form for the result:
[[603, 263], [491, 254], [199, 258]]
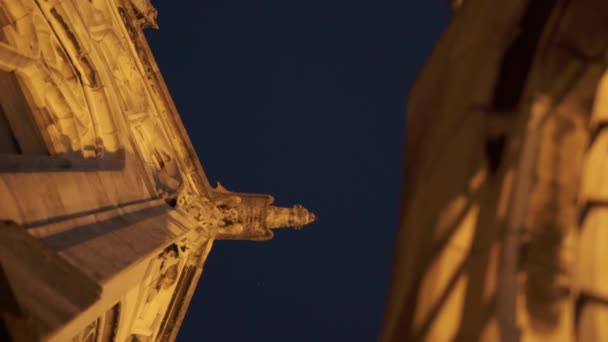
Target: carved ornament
[[295, 217], [240, 216], [146, 13], [221, 214]]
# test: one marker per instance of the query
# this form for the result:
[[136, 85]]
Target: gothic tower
[[107, 216]]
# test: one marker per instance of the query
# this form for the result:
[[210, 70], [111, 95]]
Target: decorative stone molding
[[57, 70], [77, 63], [184, 155]]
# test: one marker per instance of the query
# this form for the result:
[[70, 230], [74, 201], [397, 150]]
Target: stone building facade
[[106, 214], [503, 230]]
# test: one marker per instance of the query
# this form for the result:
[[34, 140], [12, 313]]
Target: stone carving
[[126, 75], [296, 217], [146, 13], [35, 53], [157, 295], [133, 97], [88, 334], [107, 38], [241, 216], [157, 153], [58, 72], [79, 79], [262, 220], [220, 214], [168, 271]]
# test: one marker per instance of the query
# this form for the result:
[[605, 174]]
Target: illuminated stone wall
[[106, 214], [500, 234]]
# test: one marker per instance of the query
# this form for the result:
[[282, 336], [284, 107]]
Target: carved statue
[[159, 292], [147, 12], [168, 271], [221, 214], [296, 217], [241, 216]]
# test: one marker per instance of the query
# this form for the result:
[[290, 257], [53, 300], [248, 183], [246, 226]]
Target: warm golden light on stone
[[109, 217], [523, 146]]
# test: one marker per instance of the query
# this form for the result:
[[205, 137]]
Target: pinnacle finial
[[296, 217]]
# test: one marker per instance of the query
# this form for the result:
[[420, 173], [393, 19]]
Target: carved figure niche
[[158, 289]]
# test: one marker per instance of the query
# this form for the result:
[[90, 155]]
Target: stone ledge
[[38, 278]]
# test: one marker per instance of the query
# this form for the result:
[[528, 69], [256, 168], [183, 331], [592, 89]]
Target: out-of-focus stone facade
[[504, 211], [107, 215]]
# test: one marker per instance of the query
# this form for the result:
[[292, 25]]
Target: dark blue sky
[[304, 100]]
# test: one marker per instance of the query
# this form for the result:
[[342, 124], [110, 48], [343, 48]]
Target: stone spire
[[296, 217]]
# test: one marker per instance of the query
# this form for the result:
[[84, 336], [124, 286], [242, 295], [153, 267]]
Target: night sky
[[304, 100]]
